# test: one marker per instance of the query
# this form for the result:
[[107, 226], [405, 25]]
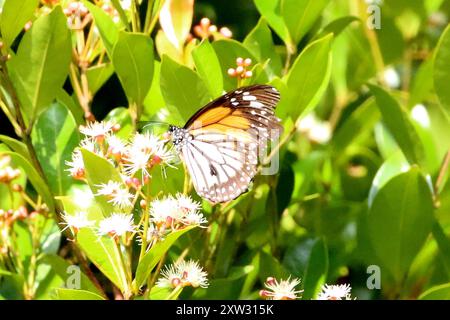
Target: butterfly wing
[[226, 136]]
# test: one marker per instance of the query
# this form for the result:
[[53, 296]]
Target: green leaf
[[307, 79], [228, 51], [15, 15], [75, 294], [337, 26], [441, 73], [42, 62], [224, 288], [65, 270], [133, 62], [208, 67], [316, 270], [152, 257], [392, 167], [397, 121], [15, 145], [440, 292], [122, 117], [109, 32], [182, 88], [55, 136], [399, 221], [259, 42], [104, 253], [34, 177], [362, 120], [73, 204], [99, 171], [300, 15], [98, 75], [270, 10]]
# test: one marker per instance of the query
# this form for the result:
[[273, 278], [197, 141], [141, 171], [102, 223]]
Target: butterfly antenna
[[141, 125]]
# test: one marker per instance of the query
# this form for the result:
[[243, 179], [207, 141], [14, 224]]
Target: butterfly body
[[221, 142]]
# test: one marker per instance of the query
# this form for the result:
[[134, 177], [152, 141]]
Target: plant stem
[[148, 30], [291, 50], [443, 171]]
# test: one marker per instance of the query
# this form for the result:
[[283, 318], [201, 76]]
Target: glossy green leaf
[[397, 121], [42, 62], [392, 167], [182, 88], [300, 15], [99, 171], [122, 117], [270, 10], [76, 294], [316, 270], [55, 136], [259, 42], [400, 220], [133, 61], [65, 270], [208, 68], [104, 253], [98, 75], [15, 145], [441, 73], [15, 14], [109, 32], [151, 258], [307, 79]]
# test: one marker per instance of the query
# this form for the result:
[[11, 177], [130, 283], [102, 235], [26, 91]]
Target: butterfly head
[[179, 136]]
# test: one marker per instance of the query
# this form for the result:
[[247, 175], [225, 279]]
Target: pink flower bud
[[205, 23], [248, 74], [247, 62], [212, 28], [239, 61], [239, 69], [231, 72], [226, 32]]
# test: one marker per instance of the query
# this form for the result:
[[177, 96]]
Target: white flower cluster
[[286, 290], [176, 212], [134, 159], [183, 274]]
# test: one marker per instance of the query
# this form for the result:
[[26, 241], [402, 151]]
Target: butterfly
[[219, 144]]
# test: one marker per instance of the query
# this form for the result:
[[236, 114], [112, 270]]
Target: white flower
[[116, 225], [76, 221], [320, 133], [195, 219], [183, 274], [420, 114], [116, 193], [169, 278], [116, 146], [283, 290], [165, 211], [97, 129], [125, 4], [76, 166], [391, 77], [186, 203], [88, 144], [335, 292]]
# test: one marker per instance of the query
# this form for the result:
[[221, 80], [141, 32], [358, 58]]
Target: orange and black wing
[[227, 135]]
